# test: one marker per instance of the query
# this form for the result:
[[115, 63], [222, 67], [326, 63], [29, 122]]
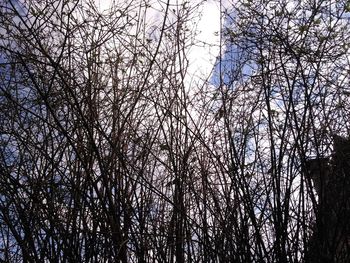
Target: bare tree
[[111, 151]]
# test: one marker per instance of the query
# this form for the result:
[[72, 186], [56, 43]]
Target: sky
[[201, 56]]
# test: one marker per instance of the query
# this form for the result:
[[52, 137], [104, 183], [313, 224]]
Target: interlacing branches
[[113, 149]]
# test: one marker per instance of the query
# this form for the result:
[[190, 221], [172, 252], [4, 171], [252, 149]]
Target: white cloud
[[205, 29], [202, 55]]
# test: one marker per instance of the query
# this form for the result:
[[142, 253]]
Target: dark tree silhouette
[[113, 149], [330, 177]]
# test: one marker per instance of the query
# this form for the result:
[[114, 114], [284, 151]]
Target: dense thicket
[[112, 151]]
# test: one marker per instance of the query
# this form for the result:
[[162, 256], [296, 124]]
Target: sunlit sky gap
[[203, 55]]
